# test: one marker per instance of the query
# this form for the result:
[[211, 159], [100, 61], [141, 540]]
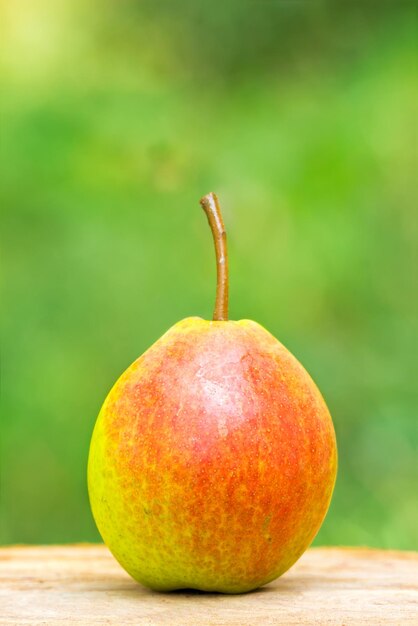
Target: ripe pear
[[213, 459]]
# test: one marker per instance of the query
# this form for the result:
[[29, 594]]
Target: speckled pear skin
[[213, 460]]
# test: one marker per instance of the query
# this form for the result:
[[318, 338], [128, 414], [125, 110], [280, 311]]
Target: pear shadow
[[186, 592]]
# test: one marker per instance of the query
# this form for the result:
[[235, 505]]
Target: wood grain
[[83, 584]]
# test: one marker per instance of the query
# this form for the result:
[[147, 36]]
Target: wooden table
[[83, 584]]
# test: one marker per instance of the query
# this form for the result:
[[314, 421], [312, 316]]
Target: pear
[[213, 459]]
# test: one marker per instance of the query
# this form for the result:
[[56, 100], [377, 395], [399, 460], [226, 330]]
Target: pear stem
[[212, 209]]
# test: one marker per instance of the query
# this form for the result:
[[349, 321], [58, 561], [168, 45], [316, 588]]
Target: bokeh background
[[116, 117]]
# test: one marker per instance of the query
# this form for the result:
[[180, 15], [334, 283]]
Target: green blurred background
[[116, 117]]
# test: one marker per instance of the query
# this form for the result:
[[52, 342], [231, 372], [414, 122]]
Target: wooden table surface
[[83, 584]]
